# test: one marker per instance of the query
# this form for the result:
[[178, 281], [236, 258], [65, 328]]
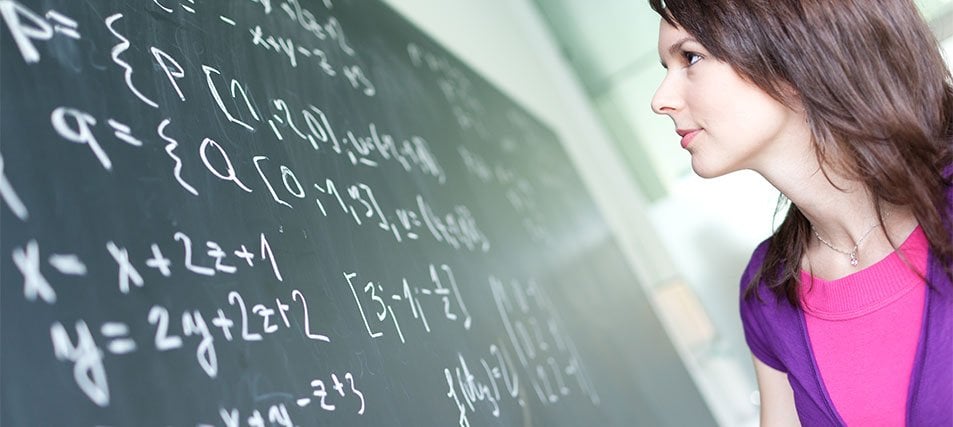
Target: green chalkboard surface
[[278, 213]]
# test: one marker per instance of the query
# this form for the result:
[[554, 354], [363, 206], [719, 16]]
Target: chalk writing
[[532, 327], [117, 51], [366, 149], [34, 284], [87, 359], [455, 86], [376, 305], [36, 29], [267, 201], [10, 197]]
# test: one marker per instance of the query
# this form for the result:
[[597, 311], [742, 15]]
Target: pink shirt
[[864, 329]]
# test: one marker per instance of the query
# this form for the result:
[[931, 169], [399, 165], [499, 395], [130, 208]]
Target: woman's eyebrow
[[674, 49], [677, 46]]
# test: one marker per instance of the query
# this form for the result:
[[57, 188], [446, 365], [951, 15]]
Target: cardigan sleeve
[[752, 314]]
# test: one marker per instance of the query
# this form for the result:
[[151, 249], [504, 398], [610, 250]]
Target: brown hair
[[877, 95]]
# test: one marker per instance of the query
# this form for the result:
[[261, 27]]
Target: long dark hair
[[877, 95]]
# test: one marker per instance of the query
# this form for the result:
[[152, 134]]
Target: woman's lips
[[687, 135]]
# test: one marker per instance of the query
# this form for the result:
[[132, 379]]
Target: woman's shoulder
[[765, 319]]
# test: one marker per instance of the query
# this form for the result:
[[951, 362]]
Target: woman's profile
[[846, 107]]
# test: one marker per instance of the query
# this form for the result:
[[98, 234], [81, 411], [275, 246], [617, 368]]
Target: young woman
[[846, 107]]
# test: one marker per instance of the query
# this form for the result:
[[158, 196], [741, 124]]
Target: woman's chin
[[707, 171], [712, 169]]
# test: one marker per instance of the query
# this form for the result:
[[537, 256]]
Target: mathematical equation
[[376, 305], [546, 356], [329, 32], [137, 148], [29, 27], [238, 324], [29, 261], [457, 229]]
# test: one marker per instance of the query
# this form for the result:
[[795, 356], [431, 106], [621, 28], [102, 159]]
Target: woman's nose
[[666, 99]]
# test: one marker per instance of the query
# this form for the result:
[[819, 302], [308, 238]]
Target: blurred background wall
[[588, 70]]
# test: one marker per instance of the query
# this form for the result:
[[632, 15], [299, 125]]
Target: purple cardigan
[[777, 335]]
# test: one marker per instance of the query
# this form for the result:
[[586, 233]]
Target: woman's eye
[[691, 57]]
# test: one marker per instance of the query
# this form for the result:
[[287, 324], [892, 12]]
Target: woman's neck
[[842, 212]]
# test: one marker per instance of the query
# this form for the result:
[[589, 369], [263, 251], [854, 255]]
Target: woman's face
[[725, 122]]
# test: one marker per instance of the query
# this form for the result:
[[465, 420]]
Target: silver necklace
[[853, 252]]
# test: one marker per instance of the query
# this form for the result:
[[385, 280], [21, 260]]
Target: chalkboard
[[266, 212]]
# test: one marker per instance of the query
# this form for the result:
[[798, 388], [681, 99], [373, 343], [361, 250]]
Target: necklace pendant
[[853, 260]]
